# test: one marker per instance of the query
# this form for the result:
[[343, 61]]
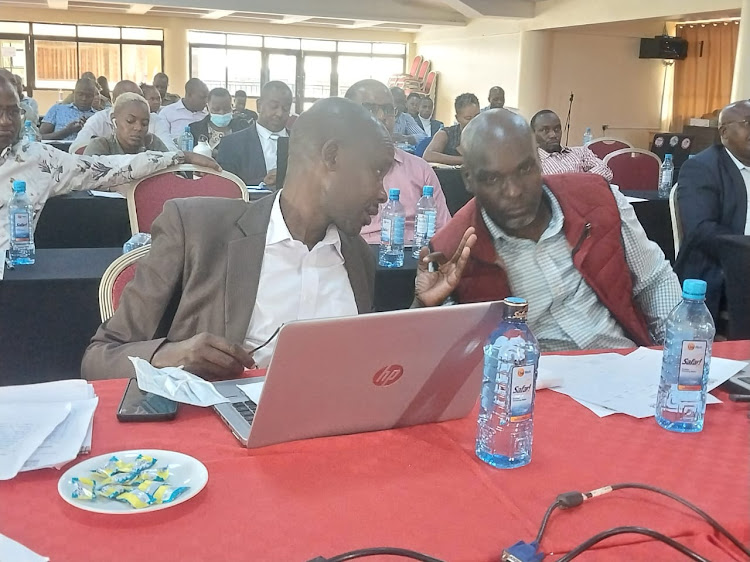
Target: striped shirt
[[406, 125], [564, 311], [573, 159]]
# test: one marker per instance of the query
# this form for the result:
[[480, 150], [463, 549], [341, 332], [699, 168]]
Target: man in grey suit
[[222, 275]]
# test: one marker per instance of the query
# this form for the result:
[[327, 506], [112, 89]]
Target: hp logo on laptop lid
[[388, 375]]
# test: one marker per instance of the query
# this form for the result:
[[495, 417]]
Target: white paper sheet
[[610, 383], [252, 390], [108, 194], [70, 390], [23, 428], [64, 443], [176, 384], [11, 550], [632, 200]]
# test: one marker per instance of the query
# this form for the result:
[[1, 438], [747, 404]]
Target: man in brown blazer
[[213, 284]]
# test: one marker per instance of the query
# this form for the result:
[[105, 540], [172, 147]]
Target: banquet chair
[[415, 65], [423, 70], [429, 83], [606, 145], [119, 273], [634, 169], [146, 197], [674, 212]]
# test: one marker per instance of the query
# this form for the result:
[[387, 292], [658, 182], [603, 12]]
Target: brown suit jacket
[[201, 275]]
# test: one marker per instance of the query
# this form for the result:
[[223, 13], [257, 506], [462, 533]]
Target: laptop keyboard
[[246, 410]]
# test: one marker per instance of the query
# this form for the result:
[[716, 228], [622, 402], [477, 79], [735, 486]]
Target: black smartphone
[[137, 405]]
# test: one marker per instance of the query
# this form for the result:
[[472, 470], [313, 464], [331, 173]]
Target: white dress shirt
[[269, 142], [745, 173], [178, 117], [426, 125], [564, 311], [297, 284], [100, 125]]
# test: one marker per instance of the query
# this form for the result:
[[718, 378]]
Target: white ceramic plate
[[184, 470]]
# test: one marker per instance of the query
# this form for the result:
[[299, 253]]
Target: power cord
[[574, 499], [637, 530], [378, 551]]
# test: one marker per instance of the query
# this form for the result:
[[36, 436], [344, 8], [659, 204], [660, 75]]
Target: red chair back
[[634, 169], [423, 70], [146, 199], [429, 83], [415, 64], [125, 277], [603, 146]]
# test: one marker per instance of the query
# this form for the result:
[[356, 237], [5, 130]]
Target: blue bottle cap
[[19, 186], [667, 157], [393, 194], [694, 289], [428, 190], [515, 308], [27, 123]]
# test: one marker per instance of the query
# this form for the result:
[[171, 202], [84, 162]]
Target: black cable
[[545, 519], [713, 522], [636, 530], [380, 551]]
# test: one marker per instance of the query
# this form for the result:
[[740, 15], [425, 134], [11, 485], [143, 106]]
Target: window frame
[[31, 38]]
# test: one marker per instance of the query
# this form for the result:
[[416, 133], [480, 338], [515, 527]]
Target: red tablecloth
[[420, 488]]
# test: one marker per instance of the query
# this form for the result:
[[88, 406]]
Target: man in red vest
[[569, 244]]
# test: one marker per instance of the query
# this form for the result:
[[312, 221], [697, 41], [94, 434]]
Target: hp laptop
[[365, 373]]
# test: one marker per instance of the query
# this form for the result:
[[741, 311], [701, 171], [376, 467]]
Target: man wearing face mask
[[251, 154], [219, 122]]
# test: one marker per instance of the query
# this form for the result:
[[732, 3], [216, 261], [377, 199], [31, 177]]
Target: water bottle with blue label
[[186, 140], [392, 223], [506, 411], [424, 220], [681, 400], [21, 216], [587, 136]]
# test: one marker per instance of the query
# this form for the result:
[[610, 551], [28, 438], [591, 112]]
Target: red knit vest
[[593, 229]]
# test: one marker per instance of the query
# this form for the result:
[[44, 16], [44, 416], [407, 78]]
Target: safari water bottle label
[[426, 224], [397, 230], [692, 361], [20, 227], [385, 231], [522, 392]]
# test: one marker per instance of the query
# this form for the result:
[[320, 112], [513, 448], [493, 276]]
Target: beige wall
[[471, 64], [612, 86], [175, 35]]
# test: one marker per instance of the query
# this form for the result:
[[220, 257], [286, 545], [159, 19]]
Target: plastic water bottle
[[21, 215], [587, 136], [681, 401], [186, 140], [424, 221], [29, 135], [506, 412], [136, 241], [392, 232], [665, 177]]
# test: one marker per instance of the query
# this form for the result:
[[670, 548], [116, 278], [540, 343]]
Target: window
[[62, 52], [312, 68]]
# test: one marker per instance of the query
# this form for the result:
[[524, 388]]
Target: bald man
[[252, 154], [63, 121], [568, 243], [101, 124], [496, 98], [222, 275], [712, 196], [188, 110]]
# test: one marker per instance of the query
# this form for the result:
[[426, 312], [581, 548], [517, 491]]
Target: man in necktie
[[251, 154]]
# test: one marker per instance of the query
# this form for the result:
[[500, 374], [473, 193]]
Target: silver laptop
[[365, 373]]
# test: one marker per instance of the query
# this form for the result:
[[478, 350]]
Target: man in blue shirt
[[406, 129], [64, 120]]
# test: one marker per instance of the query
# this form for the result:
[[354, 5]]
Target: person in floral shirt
[[49, 172]]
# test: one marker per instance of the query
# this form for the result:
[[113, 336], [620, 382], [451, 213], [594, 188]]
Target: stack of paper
[[611, 383], [44, 425]]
